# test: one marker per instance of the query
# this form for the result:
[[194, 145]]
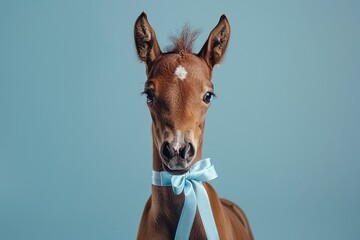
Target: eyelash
[[150, 95]]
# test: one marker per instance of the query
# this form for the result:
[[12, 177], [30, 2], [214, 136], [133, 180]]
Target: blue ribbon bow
[[195, 197]]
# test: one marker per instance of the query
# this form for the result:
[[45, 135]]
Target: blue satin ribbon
[[195, 197]]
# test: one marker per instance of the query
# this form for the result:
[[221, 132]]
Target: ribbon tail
[[205, 211], [187, 214]]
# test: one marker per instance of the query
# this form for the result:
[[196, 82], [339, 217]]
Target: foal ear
[[145, 40], [214, 48]]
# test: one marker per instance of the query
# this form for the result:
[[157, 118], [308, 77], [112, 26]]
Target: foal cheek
[[156, 128], [198, 130]]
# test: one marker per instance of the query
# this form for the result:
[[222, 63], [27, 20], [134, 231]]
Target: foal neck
[[166, 207]]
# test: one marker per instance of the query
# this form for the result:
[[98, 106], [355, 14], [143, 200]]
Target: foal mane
[[183, 41]]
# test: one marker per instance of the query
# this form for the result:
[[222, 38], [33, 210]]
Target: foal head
[[179, 91]]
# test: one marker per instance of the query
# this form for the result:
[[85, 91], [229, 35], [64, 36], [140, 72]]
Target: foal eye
[[207, 97], [150, 96]]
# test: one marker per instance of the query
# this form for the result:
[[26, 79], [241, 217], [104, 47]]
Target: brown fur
[[178, 108]]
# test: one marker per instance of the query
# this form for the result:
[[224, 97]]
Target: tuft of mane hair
[[183, 42]]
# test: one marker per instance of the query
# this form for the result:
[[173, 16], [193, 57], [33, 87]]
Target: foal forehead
[[177, 67], [181, 72]]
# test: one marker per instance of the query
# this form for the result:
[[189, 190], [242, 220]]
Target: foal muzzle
[[177, 156]]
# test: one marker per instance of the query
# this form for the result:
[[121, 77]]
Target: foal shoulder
[[230, 219]]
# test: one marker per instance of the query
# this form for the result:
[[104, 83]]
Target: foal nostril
[[187, 152], [167, 152]]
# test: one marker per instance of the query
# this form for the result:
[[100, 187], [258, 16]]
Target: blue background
[[75, 139]]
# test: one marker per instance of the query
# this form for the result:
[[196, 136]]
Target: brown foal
[[179, 91]]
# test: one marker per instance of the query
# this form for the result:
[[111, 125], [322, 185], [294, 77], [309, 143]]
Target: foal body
[[179, 91]]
